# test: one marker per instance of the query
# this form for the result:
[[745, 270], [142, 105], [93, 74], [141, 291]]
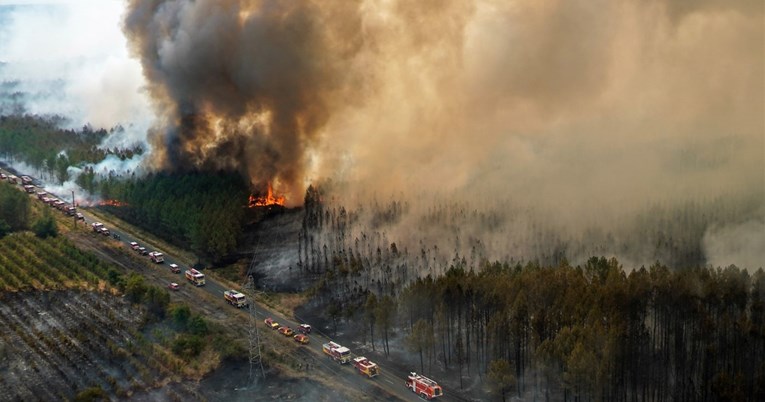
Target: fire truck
[[195, 277], [157, 257], [336, 352], [235, 298], [366, 367], [423, 386]]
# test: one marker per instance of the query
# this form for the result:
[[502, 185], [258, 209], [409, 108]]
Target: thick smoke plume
[[586, 111]]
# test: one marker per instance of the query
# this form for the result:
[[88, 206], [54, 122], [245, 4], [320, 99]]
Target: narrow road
[[388, 384]]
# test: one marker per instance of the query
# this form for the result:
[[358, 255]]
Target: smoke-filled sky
[[544, 100], [589, 109]]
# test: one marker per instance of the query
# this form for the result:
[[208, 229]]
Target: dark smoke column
[[242, 84]]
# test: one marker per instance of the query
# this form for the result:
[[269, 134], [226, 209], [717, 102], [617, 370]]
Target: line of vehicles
[[26, 183], [422, 386], [300, 337], [417, 383]]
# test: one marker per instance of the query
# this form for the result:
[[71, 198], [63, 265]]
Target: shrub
[[188, 346], [45, 226]]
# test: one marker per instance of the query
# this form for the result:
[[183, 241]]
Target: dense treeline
[[593, 332], [202, 211], [42, 144], [584, 333], [16, 214], [15, 209]]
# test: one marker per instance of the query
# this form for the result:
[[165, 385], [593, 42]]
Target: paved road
[[389, 381]]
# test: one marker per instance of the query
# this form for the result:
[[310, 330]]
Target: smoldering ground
[[587, 111]]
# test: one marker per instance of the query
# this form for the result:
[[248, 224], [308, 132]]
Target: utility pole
[[75, 211], [256, 360]]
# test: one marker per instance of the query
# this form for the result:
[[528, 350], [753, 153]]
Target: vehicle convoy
[[366, 366], [195, 277], [423, 386], [336, 352], [235, 298], [157, 257]]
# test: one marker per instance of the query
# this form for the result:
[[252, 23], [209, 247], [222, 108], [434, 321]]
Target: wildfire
[[266, 200], [112, 203]]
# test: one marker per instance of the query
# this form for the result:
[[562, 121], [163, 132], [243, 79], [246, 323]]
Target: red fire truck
[[366, 367], [336, 352], [423, 386]]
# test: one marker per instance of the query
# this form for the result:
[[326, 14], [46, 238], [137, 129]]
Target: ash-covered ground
[[273, 240]]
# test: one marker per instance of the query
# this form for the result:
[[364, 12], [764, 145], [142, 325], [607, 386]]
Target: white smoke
[[742, 245], [69, 58]]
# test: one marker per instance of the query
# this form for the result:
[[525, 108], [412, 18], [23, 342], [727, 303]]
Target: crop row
[[27, 261]]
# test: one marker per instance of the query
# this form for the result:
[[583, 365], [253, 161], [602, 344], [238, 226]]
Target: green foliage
[[40, 142], [181, 315], [156, 300], [501, 378], [5, 228], [596, 333], [188, 346], [201, 211], [198, 325], [45, 226], [115, 278], [135, 288], [29, 261], [14, 207]]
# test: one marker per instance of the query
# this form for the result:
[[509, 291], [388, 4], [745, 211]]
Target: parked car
[[286, 331], [173, 286], [174, 268], [301, 338]]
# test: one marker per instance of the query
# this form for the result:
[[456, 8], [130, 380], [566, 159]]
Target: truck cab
[[157, 257], [195, 277], [235, 298]]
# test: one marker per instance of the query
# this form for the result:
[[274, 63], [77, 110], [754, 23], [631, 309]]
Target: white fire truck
[[423, 386], [336, 352], [235, 298], [195, 277], [366, 366]]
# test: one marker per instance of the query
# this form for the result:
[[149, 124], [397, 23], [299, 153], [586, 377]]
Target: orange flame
[[112, 203], [266, 200]]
